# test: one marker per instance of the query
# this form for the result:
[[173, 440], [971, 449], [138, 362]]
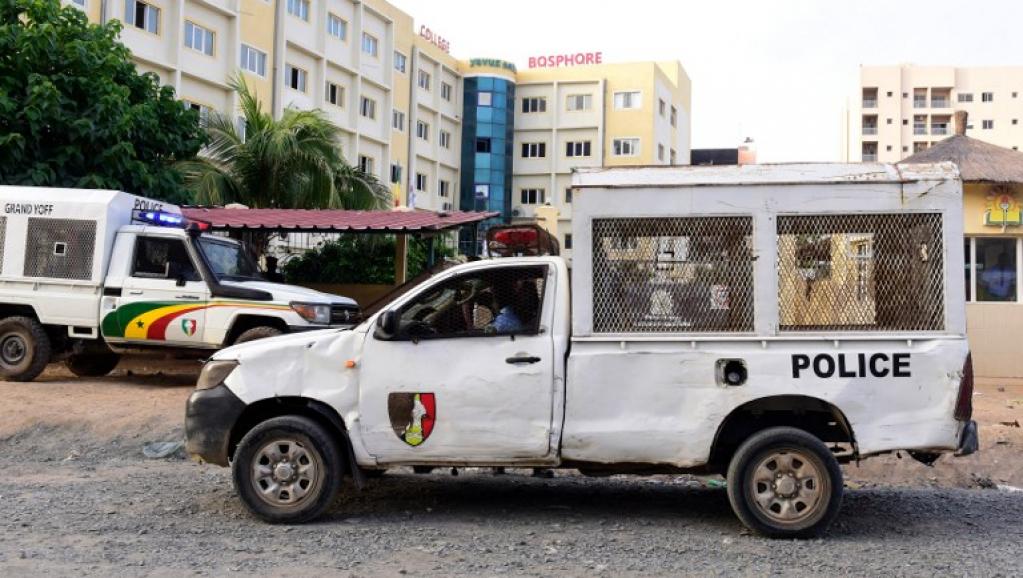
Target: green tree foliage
[[74, 112], [291, 163], [360, 259]]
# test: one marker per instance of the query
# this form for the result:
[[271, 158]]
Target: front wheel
[[261, 332], [784, 483], [287, 470]]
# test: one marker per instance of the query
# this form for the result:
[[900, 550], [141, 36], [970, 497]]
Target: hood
[[287, 293]]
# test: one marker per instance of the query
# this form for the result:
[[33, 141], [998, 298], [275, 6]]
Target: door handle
[[135, 292], [522, 359], [192, 297]]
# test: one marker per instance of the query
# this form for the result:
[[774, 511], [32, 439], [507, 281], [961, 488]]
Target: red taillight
[[964, 405], [520, 240], [516, 237]]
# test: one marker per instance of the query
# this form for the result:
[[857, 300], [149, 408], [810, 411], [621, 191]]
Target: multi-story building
[[902, 110], [446, 134]]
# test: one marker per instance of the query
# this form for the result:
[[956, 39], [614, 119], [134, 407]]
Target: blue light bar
[[160, 218]]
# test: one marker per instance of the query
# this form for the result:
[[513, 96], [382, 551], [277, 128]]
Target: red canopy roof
[[334, 220]]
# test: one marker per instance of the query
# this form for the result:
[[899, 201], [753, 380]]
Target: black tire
[[800, 495], [302, 436], [24, 349], [92, 364], [260, 332]]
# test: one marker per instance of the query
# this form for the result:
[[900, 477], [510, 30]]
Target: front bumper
[[969, 439], [210, 415]]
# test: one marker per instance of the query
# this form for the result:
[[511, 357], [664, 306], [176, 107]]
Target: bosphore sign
[[557, 60]]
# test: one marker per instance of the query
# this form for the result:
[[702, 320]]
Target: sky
[[778, 71]]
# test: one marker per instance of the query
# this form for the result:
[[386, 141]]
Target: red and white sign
[[435, 39], [559, 60]]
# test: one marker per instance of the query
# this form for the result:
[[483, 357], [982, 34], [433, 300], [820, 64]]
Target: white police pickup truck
[[767, 323], [88, 275]]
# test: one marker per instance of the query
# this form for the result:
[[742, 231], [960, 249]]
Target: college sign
[[1002, 209], [558, 60], [435, 39]]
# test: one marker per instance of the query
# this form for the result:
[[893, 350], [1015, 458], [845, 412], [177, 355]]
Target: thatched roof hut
[[979, 162]]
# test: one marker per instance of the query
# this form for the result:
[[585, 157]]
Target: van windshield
[[228, 260]]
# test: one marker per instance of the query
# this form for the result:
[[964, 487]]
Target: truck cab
[[765, 323]]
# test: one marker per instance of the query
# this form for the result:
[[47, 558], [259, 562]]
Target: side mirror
[[180, 281], [387, 324]]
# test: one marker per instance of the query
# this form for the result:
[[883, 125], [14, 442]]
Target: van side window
[[159, 258], [498, 301]]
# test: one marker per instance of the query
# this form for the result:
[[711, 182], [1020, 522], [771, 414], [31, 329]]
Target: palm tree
[[291, 163]]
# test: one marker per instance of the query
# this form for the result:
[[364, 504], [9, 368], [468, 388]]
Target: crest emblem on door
[[188, 326], [412, 416]]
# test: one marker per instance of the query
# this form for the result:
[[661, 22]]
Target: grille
[[683, 274], [344, 315], [880, 272], [60, 248], [3, 240]]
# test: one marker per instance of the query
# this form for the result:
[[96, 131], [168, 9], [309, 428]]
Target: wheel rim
[[285, 472], [13, 349], [789, 486]]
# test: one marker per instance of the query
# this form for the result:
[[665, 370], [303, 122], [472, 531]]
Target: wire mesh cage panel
[[3, 240], [60, 248], [880, 272], [673, 274]]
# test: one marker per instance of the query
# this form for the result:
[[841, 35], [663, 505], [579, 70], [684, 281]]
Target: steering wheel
[[463, 295]]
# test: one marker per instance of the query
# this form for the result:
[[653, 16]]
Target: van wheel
[[784, 483], [24, 349], [258, 333], [92, 364], [287, 470]]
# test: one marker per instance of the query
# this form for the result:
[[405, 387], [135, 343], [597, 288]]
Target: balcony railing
[[919, 130], [869, 103], [939, 103], [870, 130], [919, 103], [870, 157], [939, 130]]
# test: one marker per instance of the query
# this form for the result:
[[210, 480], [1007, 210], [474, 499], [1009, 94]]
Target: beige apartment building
[[401, 99], [902, 110]]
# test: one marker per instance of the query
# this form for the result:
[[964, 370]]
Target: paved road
[[131, 517]]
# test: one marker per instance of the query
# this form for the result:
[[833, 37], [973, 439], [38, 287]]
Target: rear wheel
[[784, 483], [255, 333], [92, 364], [24, 348], [287, 469]]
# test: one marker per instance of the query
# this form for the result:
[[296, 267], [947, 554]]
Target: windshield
[[228, 260]]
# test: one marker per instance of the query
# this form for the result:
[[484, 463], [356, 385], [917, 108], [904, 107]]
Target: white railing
[[870, 158], [870, 130]]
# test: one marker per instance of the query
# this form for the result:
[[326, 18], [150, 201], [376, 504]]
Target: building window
[[987, 124], [398, 120], [253, 60], [965, 97], [204, 111], [199, 39], [337, 27], [485, 99], [368, 107], [366, 164], [370, 45], [483, 145], [395, 173], [422, 130], [532, 150], [295, 77], [568, 196], [420, 182], [987, 97], [80, 3], [673, 157], [578, 102], [994, 269], [888, 121], [445, 91], [241, 127], [888, 148], [674, 116], [532, 196], [568, 240], [142, 16], [400, 62], [445, 139], [299, 9], [625, 147], [905, 149], [335, 94], [660, 152], [577, 149], [424, 79], [443, 188], [534, 104], [662, 106], [625, 100]]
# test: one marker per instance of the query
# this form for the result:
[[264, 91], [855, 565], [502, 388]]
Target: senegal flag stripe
[[158, 329], [150, 319]]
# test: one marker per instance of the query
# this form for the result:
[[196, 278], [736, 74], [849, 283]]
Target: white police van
[[89, 275], [767, 323]]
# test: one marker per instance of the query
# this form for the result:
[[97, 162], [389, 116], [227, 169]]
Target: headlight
[[215, 372], [312, 312]]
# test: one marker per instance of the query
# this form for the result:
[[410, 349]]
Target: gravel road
[[124, 516]]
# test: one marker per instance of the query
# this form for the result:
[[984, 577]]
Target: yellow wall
[[257, 30]]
